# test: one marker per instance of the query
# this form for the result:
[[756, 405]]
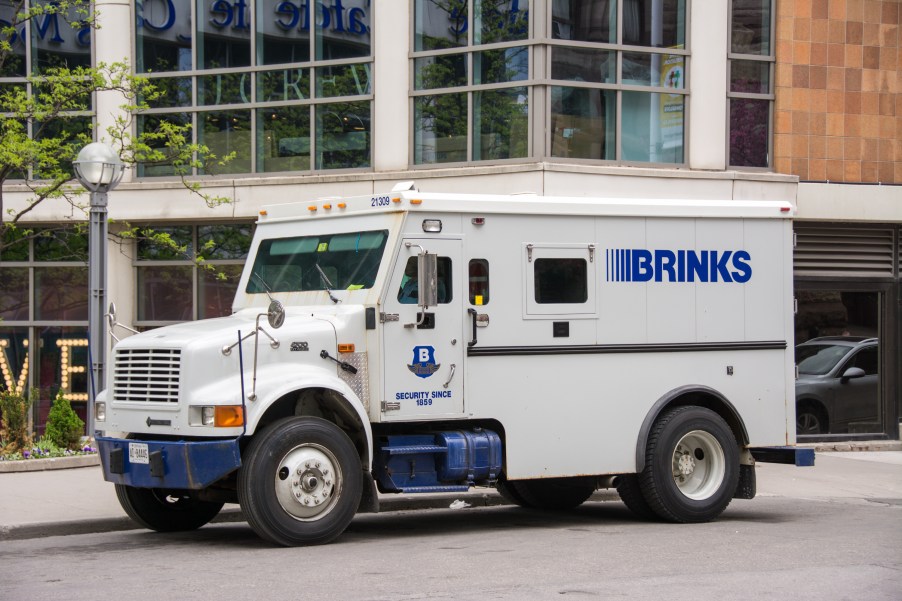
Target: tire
[[811, 419], [301, 483], [510, 494], [631, 494], [691, 466], [165, 510], [557, 494]]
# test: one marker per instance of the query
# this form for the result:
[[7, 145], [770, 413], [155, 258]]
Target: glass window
[[409, 290], [165, 293], [440, 134], [751, 84], [61, 293], [583, 123], [14, 293], [343, 80], [216, 291], [652, 127], [60, 39], [347, 261], [228, 136], [14, 360], [479, 282], [501, 21], [500, 122], [283, 139], [283, 85], [442, 71], [583, 64], [160, 160], [283, 32], [223, 241], [584, 20], [343, 135], [61, 367], [223, 34], [654, 23], [440, 24], [163, 36], [179, 236], [560, 281]]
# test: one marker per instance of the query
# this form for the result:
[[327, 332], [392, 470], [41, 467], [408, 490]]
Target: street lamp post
[[99, 170]]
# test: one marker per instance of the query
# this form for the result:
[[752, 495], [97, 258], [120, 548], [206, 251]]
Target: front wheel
[[691, 466], [165, 510], [301, 483]]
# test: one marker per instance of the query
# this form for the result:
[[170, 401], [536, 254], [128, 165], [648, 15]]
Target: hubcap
[[308, 481], [698, 465]]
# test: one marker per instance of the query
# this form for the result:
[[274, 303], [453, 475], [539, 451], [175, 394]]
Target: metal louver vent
[[147, 375], [844, 251]]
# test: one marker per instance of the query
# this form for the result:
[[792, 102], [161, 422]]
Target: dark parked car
[[837, 388]]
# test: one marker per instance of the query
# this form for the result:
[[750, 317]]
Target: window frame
[[535, 310]]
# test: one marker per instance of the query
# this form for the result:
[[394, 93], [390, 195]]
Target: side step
[[787, 455]]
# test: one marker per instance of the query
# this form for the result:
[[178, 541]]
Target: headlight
[[99, 412]]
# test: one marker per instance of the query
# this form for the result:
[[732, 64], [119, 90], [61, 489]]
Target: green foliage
[[14, 432], [64, 428]]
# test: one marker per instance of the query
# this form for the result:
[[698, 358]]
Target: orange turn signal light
[[229, 416], [346, 348]]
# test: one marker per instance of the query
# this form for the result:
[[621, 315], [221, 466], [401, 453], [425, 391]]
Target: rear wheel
[[691, 466], [631, 494], [551, 493], [301, 483], [165, 510]]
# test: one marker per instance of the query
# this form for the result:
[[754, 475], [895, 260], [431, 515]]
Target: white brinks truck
[[419, 342]]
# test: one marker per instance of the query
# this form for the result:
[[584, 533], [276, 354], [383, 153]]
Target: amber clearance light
[[229, 416]]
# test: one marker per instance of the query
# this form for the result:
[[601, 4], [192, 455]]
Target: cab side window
[[479, 282], [407, 293]]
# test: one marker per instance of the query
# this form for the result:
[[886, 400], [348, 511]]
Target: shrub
[[64, 427], [14, 432]]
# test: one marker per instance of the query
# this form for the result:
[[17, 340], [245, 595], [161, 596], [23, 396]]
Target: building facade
[[746, 100]]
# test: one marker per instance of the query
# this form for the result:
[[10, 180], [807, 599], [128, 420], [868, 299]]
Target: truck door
[[424, 375]]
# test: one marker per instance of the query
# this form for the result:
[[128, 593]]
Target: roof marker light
[[342, 205], [396, 199], [478, 221], [263, 213], [312, 208], [327, 206], [416, 201]]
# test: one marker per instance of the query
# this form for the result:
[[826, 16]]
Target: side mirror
[[275, 315], [111, 316], [427, 280], [852, 373]]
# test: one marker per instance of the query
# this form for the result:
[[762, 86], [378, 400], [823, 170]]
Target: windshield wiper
[[266, 287], [328, 284]]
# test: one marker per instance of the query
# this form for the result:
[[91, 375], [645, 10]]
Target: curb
[[53, 463]]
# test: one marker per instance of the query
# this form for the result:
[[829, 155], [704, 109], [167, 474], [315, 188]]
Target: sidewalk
[[56, 502]]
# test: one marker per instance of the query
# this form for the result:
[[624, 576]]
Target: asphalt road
[[824, 533]]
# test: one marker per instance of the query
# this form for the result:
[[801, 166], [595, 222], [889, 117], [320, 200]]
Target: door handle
[[472, 313], [450, 376]]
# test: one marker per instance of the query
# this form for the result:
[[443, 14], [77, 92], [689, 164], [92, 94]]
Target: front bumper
[[169, 464]]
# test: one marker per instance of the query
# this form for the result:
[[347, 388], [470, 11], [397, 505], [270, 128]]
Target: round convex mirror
[[275, 314]]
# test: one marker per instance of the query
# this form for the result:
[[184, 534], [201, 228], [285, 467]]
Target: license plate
[[138, 453]]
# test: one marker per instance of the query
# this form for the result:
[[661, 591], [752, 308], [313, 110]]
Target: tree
[[46, 121]]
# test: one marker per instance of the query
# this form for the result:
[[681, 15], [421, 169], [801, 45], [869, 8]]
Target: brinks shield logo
[[424, 364]]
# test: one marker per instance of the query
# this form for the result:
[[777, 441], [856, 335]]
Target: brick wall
[[838, 110]]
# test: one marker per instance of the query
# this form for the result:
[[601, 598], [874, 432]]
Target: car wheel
[[810, 419]]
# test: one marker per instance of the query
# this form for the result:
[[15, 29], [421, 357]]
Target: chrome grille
[[147, 375]]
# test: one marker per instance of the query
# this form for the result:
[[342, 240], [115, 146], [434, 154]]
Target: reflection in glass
[[342, 30], [343, 80], [72, 133], [224, 133], [170, 92], [60, 39], [343, 135], [501, 66], [14, 245], [163, 36], [654, 23], [440, 128], [283, 32], [751, 31], [14, 358], [222, 241], [14, 65], [749, 132], [655, 70], [223, 34], [583, 123], [216, 290], [154, 128], [584, 20], [180, 249], [652, 127], [165, 293], [839, 356], [500, 21], [583, 64], [14, 294], [283, 138], [283, 85], [500, 124], [751, 77], [440, 24], [61, 244], [445, 71], [61, 293], [224, 88]]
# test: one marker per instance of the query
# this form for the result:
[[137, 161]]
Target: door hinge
[[391, 406]]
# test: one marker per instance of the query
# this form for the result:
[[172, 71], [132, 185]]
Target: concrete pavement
[[55, 502]]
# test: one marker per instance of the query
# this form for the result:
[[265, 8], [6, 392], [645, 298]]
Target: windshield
[[347, 261], [819, 359]]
